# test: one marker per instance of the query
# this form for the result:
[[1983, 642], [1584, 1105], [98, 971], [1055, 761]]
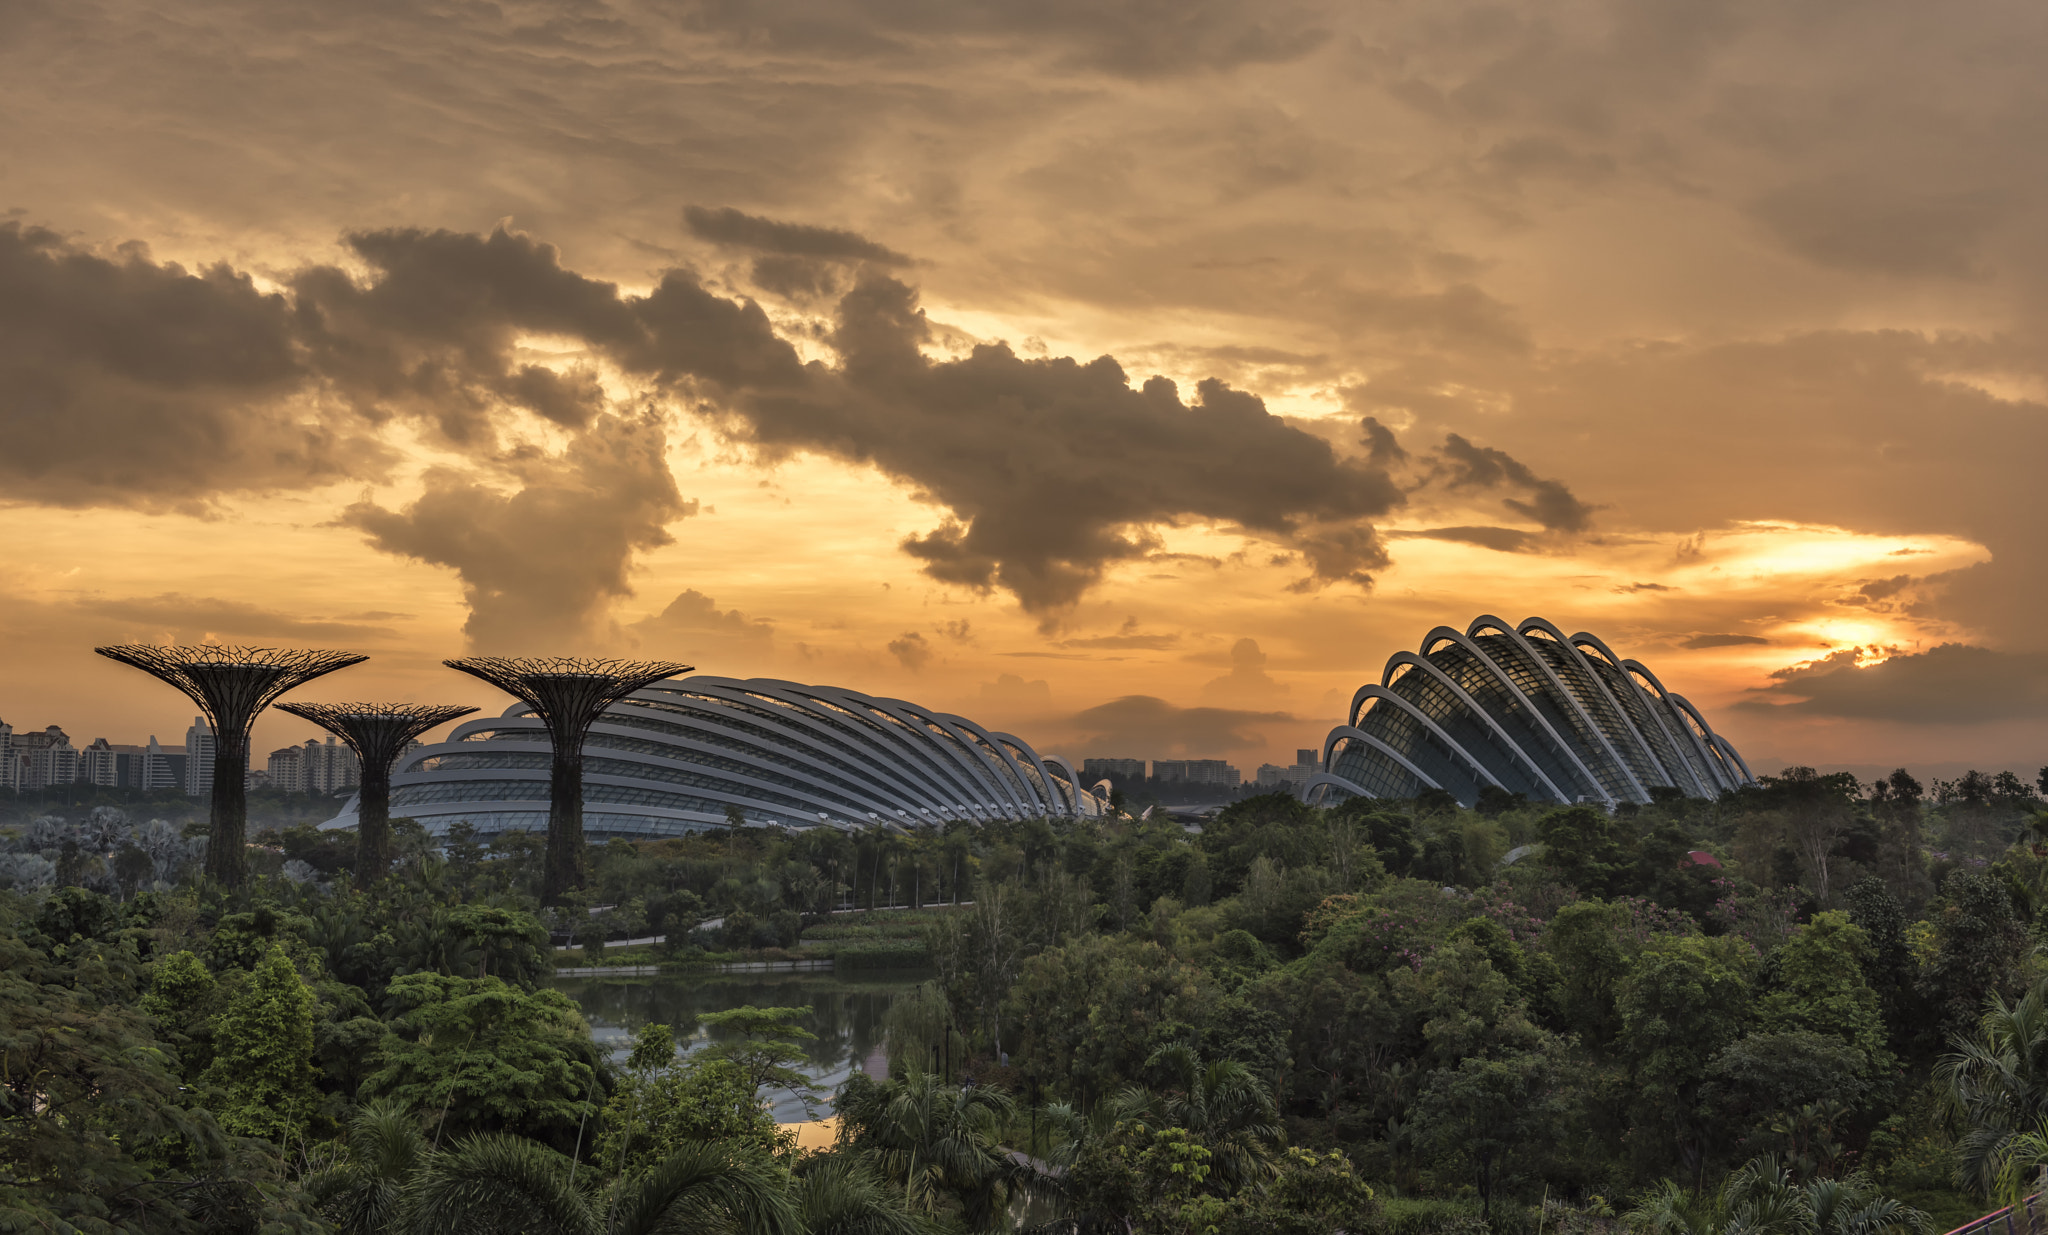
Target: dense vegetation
[[1812, 1006]]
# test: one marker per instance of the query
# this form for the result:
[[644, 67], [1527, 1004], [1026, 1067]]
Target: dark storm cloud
[[1052, 470], [1143, 724], [728, 226], [1550, 502], [125, 382], [1722, 641], [539, 563], [1954, 684]]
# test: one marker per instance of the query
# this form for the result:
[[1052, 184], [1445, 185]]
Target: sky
[[1134, 377]]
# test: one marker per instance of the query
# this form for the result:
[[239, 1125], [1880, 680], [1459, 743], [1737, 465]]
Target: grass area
[[1948, 1209]]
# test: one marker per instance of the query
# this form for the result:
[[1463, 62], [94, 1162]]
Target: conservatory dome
[[1524, 709], [673, 757]]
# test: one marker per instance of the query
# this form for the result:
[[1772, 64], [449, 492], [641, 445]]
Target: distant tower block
[[567, 693], [378, 733], [231, 685]]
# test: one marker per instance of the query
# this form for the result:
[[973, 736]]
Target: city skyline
[[776, 352]]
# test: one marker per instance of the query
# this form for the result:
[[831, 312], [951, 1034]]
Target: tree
[[1818, 987], [361, 1189], [768, 1049], [484, 1055], [930, 1139], [1996, 1082], [1589, 849], [263, 1054], [1684, 999], [497, 1182], [1223, 1103], [1818, 813], [1486, 1111], [1979, 947]]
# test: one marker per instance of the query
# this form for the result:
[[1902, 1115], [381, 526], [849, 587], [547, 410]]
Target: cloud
[[194, 618], [694, 628], [1634, 589], [1247, 680], [1142, 726], [1127, 636], [1105, 463], [1498, 539], [540, 563], [1953, 684], [912, 651], [1011, 691], [1722, 641], [728, 226], [129, 383], [1483, 467]]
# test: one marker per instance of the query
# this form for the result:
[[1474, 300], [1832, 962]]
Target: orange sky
[[1715, 331]]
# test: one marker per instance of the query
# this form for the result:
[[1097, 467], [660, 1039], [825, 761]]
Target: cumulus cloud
[[726, 225], [1011, 691], [1549, 502], [693, 628], [1149, 727], [540, 563], [1952, 684], [1052, 470], [913, 651], [1498, 539], [1247, 681], [133, 383]]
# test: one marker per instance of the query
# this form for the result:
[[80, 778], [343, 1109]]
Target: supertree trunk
[[231, 685], [227, 837], [568, 694], [378, 733]]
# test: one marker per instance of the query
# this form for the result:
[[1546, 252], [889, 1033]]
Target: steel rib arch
[[1669, 751], [1707, 768], [1634, 748], [1568, 752], [1706, 733], [1483, 777], [1511, 748], [1566, 703], [1352, 733]]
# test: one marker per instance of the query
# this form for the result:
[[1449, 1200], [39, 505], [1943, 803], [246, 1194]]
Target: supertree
[[231, 685], [378, 734], [568, 693]]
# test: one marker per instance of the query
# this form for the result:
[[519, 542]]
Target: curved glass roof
[[675, 756], [1526, 709]]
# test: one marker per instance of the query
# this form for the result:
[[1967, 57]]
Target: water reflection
[[846, 1014]]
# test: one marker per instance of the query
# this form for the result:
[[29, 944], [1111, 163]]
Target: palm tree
[[1223, 1103], [362, 1191], [1998, 1083], [1766, 1198], [495, 1183], [835, 1195], [930, 1138]]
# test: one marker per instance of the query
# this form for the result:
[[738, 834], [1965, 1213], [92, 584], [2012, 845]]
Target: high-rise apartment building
[[1212, 772], [1169, 769], [42, 759], [1120, 772], [158, 766], [6, 755], [199, 758]]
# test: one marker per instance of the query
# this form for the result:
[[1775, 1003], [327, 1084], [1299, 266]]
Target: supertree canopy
[[378, 733], [567, 693], [231, 685]]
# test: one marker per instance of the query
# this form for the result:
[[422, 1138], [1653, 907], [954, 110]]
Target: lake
[[846, 1014]]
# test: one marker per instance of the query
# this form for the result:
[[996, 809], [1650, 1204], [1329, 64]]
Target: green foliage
[[487, 1056], [263, 1054], [656, 1114], [1818, 986], [939, 1145]]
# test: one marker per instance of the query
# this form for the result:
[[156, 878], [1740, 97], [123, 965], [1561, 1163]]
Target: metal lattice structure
[[231, 685], [378, 733], [567, 693], [1522, 709]]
